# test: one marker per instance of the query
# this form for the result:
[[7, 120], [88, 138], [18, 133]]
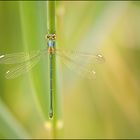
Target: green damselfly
[[26, 61]]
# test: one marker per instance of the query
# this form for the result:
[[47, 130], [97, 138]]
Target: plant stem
[[51, 16], [51, 30]]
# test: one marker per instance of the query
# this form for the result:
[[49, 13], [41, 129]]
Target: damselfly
[[26, 61]]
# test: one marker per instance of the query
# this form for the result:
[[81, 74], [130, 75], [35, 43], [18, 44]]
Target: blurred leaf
[[10, 127]]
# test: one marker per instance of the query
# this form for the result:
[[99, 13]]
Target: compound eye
[[53, 36], [47, 36]]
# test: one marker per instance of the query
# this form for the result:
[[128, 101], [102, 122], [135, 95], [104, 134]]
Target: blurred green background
[[105, 107]]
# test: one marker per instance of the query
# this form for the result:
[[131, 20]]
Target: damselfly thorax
[[51, 50]]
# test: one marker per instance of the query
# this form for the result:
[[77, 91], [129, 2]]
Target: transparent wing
[[82, 70], [16, 58], [82, 56], [21, 68]]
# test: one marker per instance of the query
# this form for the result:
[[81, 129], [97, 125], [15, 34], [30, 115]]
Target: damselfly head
[[50, 36]]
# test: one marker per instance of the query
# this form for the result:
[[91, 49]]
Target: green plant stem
[[51, 30], [51, 16]]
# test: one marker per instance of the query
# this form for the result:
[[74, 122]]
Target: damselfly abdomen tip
[[51, 114]]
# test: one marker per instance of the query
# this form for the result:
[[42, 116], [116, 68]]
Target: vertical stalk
[[52, 65], [51, 16]]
